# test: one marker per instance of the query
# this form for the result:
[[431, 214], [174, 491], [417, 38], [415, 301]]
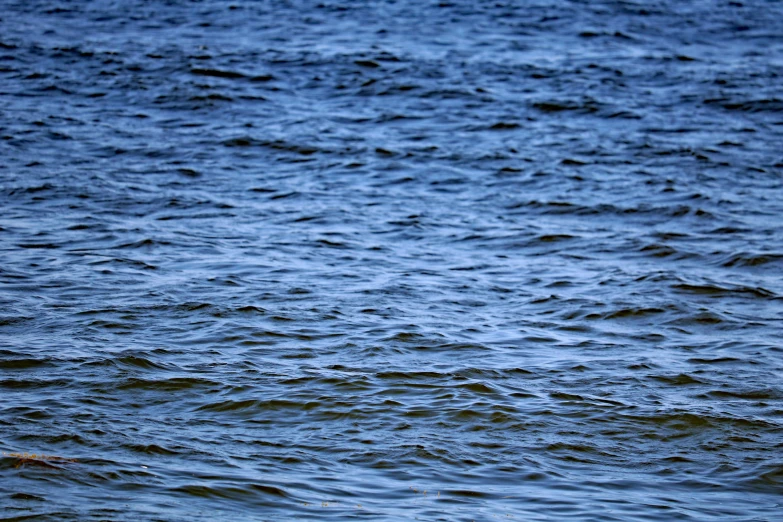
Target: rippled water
[[391, 260]]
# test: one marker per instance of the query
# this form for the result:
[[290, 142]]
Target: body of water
[[391, 260]]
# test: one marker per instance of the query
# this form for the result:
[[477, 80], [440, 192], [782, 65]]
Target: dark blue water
[[391, 260]]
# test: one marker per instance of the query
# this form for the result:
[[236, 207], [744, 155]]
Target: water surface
[[391, 260]]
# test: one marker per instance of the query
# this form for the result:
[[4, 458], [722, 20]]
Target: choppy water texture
[[391, 260]]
